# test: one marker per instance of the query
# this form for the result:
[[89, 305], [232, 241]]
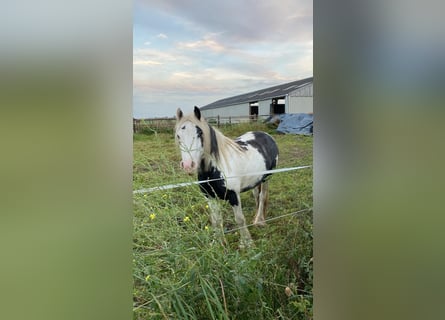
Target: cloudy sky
[[193, 52]]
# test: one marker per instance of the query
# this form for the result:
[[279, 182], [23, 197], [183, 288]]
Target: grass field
[[183, 269]]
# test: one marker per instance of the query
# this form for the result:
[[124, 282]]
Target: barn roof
[[263, 94]]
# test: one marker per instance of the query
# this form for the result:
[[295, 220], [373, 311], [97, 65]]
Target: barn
[[291, 97]]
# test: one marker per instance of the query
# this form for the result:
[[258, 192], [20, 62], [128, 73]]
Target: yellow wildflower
[[206, 227], [207, 206], [152, 216], [147, 278], [186, 219]]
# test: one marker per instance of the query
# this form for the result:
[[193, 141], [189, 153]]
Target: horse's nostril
[[182, 164], [193, 164]]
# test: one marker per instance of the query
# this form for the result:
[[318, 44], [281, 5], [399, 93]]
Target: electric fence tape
[[185, 184]]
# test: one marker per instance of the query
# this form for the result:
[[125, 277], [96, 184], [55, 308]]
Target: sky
[[193, 52]]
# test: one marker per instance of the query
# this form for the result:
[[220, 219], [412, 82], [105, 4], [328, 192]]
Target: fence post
[[137, 125], [218, 121], [230, 120]]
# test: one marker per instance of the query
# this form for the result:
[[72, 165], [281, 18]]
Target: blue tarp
[[296, 123]]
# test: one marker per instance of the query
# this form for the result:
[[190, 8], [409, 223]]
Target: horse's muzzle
[[189, 166]]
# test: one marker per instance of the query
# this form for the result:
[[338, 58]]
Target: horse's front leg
[[246, 239], [215, 213], [216, 220]]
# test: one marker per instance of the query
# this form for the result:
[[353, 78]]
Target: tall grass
[[183, 269]]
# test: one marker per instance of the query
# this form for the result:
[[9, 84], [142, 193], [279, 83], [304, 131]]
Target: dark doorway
[[253, 112], [276, 107]]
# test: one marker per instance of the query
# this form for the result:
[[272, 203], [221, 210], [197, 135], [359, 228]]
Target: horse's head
[[189, 138]]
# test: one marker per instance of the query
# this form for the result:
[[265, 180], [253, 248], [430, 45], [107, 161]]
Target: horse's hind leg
[[256, 194], [261, 200]]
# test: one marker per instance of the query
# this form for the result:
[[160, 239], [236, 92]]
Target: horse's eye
[[183, 128], [177, 136]]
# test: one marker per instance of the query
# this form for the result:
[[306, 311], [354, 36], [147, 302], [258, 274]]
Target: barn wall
[[229, 111], [301, 100], [236, 110], [305, 91], [209, 113], [298, 101], [264, 107], [300, 105]]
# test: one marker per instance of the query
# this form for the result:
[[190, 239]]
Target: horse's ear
[[179, 114], [197, 113]]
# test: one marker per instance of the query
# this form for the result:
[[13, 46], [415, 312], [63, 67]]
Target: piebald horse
[[239, 164]]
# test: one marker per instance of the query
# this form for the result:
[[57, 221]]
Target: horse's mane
[[217, 147]]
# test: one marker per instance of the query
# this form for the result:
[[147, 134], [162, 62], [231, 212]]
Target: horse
[[231, 166]]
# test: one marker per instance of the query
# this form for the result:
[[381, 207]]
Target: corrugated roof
[[263, 94]]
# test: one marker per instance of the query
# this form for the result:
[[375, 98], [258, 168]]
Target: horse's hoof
[[259, 223], [245, 244]]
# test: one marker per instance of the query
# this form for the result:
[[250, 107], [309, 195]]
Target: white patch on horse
[[190, 145], [246, 137]]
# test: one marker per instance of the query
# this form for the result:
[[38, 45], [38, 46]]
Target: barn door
[[253, 110], [276, 107]]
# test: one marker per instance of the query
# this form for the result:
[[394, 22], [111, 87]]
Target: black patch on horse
[[213, 143], [256, 184], [199, 133], [242, 144], [267, 147], [215, 188]]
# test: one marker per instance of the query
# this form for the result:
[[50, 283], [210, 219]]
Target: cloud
[[216, 49], [147, 62], [248, 21], [205, 43], [152, 56]]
